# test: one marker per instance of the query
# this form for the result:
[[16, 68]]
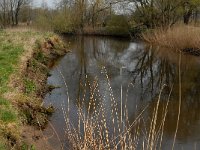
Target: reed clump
[[180, 37], [107, 126]]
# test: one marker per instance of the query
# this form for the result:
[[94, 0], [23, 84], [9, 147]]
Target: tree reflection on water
[[144, 70]]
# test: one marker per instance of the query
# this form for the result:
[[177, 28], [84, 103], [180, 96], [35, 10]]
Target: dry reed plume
[[185, 38]]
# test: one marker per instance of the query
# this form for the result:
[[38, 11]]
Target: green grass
[[7, 113], [4, 102], [7, 116], [2, 146], [9, 57], [27, 147], [29, 86]]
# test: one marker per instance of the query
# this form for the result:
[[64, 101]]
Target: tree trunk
[[16, 17], [12, 14], [4, 13], [186, 17], [196, 16], [93, 16]]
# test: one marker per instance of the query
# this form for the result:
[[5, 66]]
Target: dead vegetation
[[103, 126], [182, 37]]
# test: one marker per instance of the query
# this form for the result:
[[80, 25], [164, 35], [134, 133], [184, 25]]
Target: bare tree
[[9, 11], [17, 5]]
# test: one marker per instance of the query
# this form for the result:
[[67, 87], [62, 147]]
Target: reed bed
[[182, 37]]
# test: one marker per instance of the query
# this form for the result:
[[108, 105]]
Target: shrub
[[117, 25]]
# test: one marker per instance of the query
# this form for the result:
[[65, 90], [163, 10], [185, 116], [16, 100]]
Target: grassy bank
[[25, 57], [184, 38]]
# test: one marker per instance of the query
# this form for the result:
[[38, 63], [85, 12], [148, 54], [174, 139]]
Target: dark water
[[137, 74]]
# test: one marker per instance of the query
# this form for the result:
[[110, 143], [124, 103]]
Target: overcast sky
[[119, 9], [38, 3]]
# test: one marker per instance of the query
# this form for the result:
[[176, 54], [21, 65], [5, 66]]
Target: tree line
[[87, 15], [10, 11], [155, 13]]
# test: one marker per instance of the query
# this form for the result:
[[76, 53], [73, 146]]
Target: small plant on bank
[[29, 86]]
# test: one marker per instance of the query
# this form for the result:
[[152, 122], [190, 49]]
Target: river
[[134, 75]]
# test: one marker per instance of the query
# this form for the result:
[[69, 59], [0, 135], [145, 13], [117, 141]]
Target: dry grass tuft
[[178, 37]]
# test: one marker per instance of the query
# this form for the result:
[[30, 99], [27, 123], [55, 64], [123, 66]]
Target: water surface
[[137, 73]]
